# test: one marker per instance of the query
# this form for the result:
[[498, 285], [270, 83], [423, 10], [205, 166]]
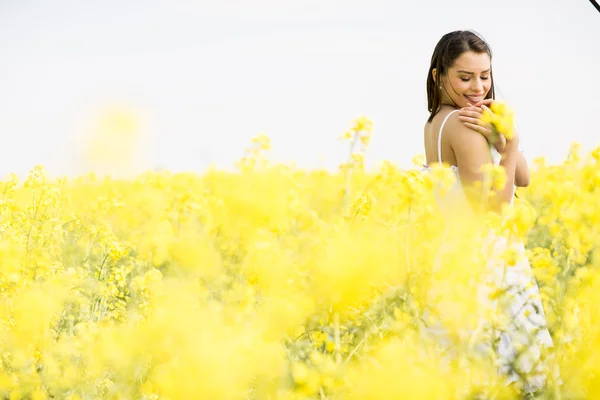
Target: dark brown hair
[[451, 46]]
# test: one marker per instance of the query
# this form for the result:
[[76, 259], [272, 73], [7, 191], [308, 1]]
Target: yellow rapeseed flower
[[256, 283], [501, 118]]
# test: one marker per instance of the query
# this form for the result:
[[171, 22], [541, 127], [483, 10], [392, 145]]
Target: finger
[[486, 102], [472, 120], [469, 119], [468, 113], [482, 130], [485, 132], [471, 113], [471, 109], [487, 109], [475, 127]]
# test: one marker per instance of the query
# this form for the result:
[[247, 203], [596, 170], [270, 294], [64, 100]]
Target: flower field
[[273, 282]]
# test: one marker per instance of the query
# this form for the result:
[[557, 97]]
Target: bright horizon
[[205, 77]]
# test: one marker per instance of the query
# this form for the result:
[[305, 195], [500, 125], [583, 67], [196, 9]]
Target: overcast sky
[[204, 77]]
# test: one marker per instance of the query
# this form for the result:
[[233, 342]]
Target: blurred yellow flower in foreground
[[274, 282], [112, 141]]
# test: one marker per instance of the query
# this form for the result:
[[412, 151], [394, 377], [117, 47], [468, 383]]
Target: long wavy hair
[[451, 46]]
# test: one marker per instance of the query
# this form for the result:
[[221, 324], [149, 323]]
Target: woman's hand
[[471, 116]]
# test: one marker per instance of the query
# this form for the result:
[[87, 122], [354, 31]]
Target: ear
[[434, 74]]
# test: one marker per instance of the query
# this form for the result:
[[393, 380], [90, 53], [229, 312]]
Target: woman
[[459, 87]]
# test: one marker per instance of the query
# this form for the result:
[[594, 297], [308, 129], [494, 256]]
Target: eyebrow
[[471, 73]]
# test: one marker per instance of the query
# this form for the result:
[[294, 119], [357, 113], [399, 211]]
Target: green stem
[[349, 169], [338, 344]]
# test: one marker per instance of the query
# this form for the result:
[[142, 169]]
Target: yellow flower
[[501, 118], [262, 141], [253, 282], [496, 174], [300, 373], [348, 135], [363, 124], [418, 160], [511, 256]]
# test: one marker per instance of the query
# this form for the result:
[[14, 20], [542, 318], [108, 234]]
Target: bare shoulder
[[470, 148], [432, 132], [460, 136]]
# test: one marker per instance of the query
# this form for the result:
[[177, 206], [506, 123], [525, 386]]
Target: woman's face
[[468, 81]]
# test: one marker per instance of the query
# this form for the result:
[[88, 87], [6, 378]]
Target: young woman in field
[[459, 87]]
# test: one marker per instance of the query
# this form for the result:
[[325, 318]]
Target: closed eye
[[483, 78]]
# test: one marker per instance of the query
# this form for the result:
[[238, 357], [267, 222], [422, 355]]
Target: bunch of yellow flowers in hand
[[500, 118], [492, 119]]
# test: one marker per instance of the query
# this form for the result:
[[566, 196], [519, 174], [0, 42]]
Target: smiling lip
[[474, 99]]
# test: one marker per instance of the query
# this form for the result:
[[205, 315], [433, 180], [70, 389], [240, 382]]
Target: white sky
[[207, 76]]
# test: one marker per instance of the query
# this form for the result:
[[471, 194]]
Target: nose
[[477, 85]]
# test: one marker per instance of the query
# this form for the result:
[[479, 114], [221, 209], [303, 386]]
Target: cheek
[[461, 87]]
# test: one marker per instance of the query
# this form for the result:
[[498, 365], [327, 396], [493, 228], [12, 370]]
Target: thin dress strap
[[440, 135]]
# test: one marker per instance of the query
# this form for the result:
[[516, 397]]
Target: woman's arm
[[472, 152], [471, 116], [522, 171]]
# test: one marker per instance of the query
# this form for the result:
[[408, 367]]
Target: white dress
[[519, 297]]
